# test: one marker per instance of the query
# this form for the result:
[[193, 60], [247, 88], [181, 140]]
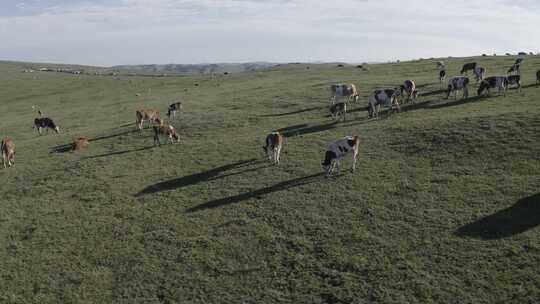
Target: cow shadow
[[112, 135], [68, 147], [431, 93], [303, 129], [520, 217], [532, 85], [294, 112], [206, 176], [286, 185], [119, 152]]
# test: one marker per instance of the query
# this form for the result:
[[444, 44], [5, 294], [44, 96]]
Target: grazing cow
[[440, 65], [173, 108], [514, 70], [8, 152], [273, 145], [344, 90], [408, 89], [515, 80], [45, 123], [479, 73], [146, 115], [338, 110], [518, 61], [538, 77], [165, 130], [458, 83], [386, 97], [442, 76], [468, 67], [494, 82], [337, 150]]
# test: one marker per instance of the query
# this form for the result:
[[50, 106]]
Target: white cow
[[337, 150]]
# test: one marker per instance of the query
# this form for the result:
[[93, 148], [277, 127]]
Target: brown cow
[[165, 130], [80, 144], [146, 115], [274, 143], [8, 152]]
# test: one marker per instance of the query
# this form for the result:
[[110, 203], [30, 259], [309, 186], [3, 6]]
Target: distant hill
[[197, 68]]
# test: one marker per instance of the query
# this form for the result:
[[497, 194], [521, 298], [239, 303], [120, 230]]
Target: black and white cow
[[468, 67], [458, 83], [518, 61], [479, 73], [515, 81], [344, 91], [538, 77], [336, 150], [338, 110], [513, 70], [442, 76], [493, 82], [173, 108], [45, 123], [408, 91], [385, 97]]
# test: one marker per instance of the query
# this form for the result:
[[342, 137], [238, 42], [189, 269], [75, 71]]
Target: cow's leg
[[278, 152], [355, 155], [4, 159]]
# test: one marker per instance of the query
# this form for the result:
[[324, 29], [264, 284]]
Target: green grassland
[[443, 208]]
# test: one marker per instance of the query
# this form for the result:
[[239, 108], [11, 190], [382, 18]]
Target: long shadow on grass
[[294, 112], [306, 129], [293, 183], [119, 152], [522, 216], [193, 179], [532, 85], [68, 147]]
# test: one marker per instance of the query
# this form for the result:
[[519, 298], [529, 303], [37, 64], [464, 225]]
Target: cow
[[165, 130], [468, 67], [45, 123], [80, 144], [440, 65], [273, 145], [173, 108], [408, 90], [146, 115], [344, 90], [494, 82], [386, 97], [513, 70], [515, 80], [442, 76], [518, 61], [8, 152], [538, 77], [338, 110], [336, 150], [458, 83], [479, 73]]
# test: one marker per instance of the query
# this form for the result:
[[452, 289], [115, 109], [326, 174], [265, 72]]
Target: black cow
[[538, 77], [514, 70], [45, 123], [173, 108], [468, 67], [442, 76]]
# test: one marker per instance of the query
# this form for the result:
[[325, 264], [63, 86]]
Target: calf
[[338, 110], [344, 90], [273, 145], [494, 82], [458, 83], [165, 130], [468, 67], [408, 89], [146, 115], [442, 76], [173, 108], [45, 123], [337, 150], [538, 77], [479, 73], [515, 80], [8, 152], [80, 144], [386, 97]]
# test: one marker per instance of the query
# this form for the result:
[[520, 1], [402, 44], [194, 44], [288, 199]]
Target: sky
[[115, 32]]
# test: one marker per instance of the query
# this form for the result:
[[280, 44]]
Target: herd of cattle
[[342, 94]]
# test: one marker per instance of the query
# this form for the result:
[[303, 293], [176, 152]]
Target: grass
[[444, 206]]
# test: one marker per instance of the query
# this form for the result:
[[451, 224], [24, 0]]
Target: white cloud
[[189, 31]]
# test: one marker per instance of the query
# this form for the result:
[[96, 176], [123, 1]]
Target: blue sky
[[194, 31]]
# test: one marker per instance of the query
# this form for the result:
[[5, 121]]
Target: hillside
[[188, 69], [444, 206]]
